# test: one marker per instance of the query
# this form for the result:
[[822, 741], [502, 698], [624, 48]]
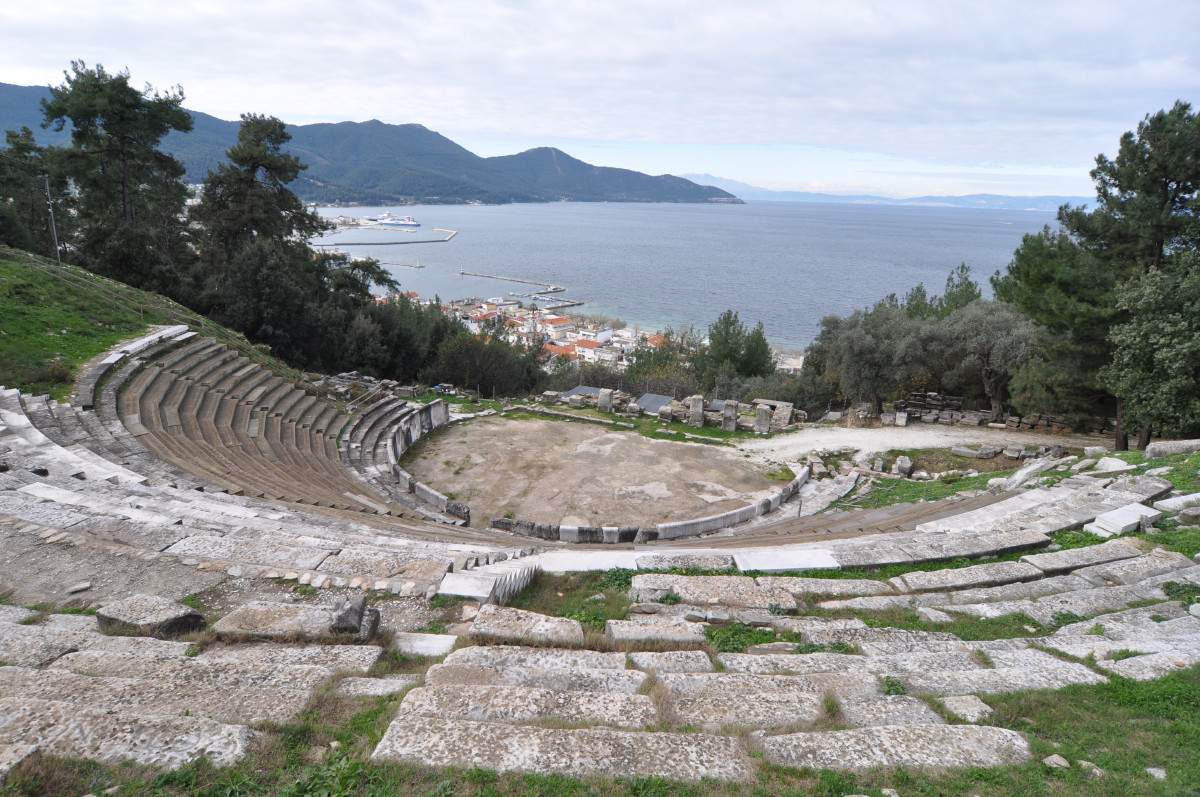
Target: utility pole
[[53, 226]]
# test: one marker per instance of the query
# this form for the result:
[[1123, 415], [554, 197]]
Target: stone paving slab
[[1131, 571], [766, 709], [222, 549], [502, 624], [985, 575], [436, 742], [626, 682], [968, 708], [825, 586], [995, 681], [147, 615], [339, 658], [863, 712], [529, 704], [513, 657], [730, 591], [432, 645], [11, 755], [913, 747], [672, 661], [661, 631], [1142, 621], [79, 731], [377, 687], [1075, 558], [277, 620]]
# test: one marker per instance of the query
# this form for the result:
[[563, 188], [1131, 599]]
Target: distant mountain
[[377, 163], [753, 193]]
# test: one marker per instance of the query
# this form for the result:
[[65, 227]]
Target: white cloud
[[964, 95]]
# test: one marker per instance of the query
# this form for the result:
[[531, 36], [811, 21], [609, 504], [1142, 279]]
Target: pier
[[449, 237], [547, 288]]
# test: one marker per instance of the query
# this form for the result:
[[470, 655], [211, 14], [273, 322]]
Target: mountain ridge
[[375, 162], [753, 193]]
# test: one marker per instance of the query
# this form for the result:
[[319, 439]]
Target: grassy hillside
[[52, 320]]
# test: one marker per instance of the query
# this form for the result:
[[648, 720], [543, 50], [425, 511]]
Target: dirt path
[[792, 446]]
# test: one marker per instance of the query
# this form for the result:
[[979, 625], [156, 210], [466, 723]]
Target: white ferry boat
[[388, 220]]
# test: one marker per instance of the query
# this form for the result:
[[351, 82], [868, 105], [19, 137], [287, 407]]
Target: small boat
[[388, 220]]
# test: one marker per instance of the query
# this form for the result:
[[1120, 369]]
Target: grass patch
[[893, 686], [573, 595], [736, 638], [886, 492], [1181, 539], [1187, 593], [51, 328], [781, 474]]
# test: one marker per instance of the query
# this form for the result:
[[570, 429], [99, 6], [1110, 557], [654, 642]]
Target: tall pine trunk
[[1143, 436]]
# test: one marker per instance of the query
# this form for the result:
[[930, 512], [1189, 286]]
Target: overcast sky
[[890, 97]]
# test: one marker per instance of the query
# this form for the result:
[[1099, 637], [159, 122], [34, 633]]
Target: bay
[[659, 265]]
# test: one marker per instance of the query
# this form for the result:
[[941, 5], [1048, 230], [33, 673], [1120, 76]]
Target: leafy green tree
[[726, 344], [960, 291], [1068, 281], [25, 169], [1156, 356], [757, 358], [130, 196], [485, 364], [990, 340]]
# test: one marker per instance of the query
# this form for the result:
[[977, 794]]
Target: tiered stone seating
[[68, 690]]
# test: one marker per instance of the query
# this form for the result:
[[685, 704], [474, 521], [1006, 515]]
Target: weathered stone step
[[672, 661], [339, 658], [581, 679], [748, 685], [985, 575], [436, 742], [916, 747], [731, 591], [851, 587], [808, 663], [525, 704], [501, 624], [78, 730], [511, 657], [218, 675], [182, 697], [873, 710], [999, 680]]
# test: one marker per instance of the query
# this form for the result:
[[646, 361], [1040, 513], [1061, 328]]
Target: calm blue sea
[[785, 264]]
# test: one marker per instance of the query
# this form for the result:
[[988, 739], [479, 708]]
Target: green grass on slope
[[48, 329], [53, 319]]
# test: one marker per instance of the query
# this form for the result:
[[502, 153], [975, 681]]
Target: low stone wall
[[663, 531], [415, 423], [567, 416]]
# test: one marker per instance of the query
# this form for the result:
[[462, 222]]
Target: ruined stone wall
[[662, 531]]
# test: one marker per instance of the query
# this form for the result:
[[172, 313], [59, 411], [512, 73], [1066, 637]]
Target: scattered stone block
[[1124, 520], [502, 624], [1111, 466], [1095, 452], [762, 419], [903, 466], [1056, 762], [1178, 503], [968, 708], [1166, 447], [147, 615], [430, 645], [672, 661], [909, 746], [348, 614], [430, 741]]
